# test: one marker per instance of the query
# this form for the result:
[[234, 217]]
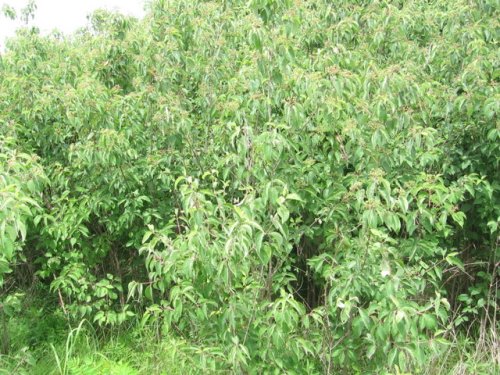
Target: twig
[[61, 302]]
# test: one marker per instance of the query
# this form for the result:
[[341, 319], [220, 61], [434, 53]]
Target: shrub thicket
[[295, 186]]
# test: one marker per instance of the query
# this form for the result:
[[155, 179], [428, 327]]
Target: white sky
[[64, 15]]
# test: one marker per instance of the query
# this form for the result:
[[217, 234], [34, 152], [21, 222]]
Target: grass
[[41, 343], [52, 348], [473, 352]]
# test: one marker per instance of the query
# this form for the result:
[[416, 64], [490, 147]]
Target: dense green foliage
[[275, 186]]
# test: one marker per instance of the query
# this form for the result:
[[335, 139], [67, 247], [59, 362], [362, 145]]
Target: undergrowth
[[52, 347]]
